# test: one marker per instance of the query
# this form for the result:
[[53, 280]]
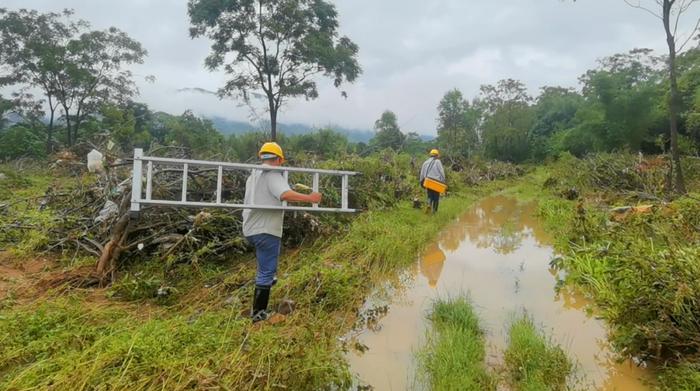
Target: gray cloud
[[412, 52]]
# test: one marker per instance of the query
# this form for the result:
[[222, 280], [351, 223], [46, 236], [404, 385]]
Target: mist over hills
[[228, 126]]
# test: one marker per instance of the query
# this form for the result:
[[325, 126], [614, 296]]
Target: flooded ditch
[[499, 254]]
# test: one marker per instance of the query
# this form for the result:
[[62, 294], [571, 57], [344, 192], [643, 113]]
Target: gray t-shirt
[[268, 188], [432, 168]]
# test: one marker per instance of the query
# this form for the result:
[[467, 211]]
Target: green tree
[[122, 126], [388, 132], [457, 122], [78, 69], [689, 91], [274, 48], [507, 121], [555, 109], [670, 13], [30, 49], [414, 145], [325, 143], [5, 107], [626, 89], [197, 135], [20, 141]]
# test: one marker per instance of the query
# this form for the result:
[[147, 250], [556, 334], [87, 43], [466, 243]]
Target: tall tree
[[5, 107], [275, 47], [671, 12], [507, 121], [689, 89], [626, 90], [388, 132], [555, 109], [457, 121], [29, 50], [77, 69]]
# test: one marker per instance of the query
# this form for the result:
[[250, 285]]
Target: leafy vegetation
[[636, 262]]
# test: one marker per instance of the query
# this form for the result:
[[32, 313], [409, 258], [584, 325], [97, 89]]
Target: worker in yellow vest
[[432, 169]]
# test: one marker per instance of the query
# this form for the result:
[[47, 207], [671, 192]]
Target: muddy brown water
[[499, 254]]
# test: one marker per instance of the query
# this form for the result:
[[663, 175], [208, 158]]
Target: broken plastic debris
[[109, 210], [94, 159]]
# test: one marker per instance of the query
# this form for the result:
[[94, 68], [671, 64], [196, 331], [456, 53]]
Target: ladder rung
[[219, 184], [286, 178], [149, 180], [314, 186], [184, 182], [344, 191]]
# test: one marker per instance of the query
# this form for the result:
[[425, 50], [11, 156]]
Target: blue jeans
[[267, 252]]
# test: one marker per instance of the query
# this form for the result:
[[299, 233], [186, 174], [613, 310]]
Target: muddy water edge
[[498, 253]]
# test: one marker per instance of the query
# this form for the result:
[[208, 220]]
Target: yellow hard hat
[[434, 152], [271, 148]]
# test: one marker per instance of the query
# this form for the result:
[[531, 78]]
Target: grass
[[640, 271], [18, 191], [199, 338], [453, 358], [532, 361]]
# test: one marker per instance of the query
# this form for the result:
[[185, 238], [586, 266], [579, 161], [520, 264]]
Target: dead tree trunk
[[107, 264]]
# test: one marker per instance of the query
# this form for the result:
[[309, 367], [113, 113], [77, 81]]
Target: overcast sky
[[412, 52]]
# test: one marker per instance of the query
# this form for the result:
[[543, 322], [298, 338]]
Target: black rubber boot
[[260, 299]]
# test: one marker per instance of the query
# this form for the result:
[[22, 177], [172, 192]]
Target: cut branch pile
[[86, 215]]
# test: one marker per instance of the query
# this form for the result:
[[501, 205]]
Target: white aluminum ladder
[[138, 198]]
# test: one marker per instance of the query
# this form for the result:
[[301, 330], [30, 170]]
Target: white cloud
[[482, 64], [412, 51]]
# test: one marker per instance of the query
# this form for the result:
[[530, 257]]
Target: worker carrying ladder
[[262, 224], [138, 198]]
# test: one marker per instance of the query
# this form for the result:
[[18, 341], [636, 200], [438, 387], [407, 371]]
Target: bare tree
[[670, 16]]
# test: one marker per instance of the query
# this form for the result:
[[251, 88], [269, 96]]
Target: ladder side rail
[[198, 204], [136, 180], [245, 166]]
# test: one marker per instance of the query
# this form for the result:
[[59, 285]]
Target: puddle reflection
[[431, 264], [499, 254]]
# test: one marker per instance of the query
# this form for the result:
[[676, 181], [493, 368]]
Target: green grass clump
[[683, 377], [453, 358], [532, 361]]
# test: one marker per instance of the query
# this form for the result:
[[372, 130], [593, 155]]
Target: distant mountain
[[13, 118], [227, 126]]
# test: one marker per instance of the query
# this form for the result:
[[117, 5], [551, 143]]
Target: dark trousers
[[433, 199]]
